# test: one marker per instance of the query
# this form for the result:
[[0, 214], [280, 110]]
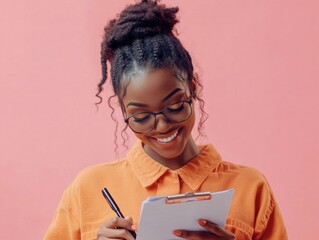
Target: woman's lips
[[169, 138]]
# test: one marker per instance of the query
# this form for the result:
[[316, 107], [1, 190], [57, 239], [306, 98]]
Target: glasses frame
[[189, 102]]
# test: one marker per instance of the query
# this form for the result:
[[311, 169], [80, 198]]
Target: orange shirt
[[254, 213]]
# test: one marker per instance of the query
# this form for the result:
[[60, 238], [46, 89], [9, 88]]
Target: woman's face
[[152, 91]]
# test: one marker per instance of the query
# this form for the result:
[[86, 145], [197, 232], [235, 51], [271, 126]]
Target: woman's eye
[[177, 107], [142, 117]]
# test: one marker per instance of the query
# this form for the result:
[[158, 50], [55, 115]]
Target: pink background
[[258, 61]]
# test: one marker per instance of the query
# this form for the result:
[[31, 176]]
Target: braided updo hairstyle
[[140, 38]]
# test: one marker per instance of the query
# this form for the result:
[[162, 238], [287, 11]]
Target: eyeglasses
[[144, 122]]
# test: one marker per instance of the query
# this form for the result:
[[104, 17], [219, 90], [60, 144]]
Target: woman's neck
[[191, 150]]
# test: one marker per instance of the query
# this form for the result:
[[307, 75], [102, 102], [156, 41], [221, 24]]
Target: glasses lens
[[144, 122], [178, 112], [141, 122]]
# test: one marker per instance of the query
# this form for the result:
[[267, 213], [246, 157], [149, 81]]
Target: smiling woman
[[166, 135], [153, 78]]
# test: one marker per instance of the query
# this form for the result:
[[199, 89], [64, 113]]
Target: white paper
[[158, 219]]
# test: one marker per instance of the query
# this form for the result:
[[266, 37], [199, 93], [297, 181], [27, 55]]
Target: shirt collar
[[194, 173]]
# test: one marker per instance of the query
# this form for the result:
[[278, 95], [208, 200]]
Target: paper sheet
[[159, 219]]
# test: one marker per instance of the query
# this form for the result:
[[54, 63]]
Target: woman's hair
[[140, 38]]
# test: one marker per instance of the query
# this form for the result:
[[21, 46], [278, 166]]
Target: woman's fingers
[[116, 228], [117, 222], [120, 233], [194, 235], [215, 229], [213, 232]]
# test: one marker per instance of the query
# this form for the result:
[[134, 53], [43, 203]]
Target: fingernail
[[134, 227], [202, 222], [177, 232]]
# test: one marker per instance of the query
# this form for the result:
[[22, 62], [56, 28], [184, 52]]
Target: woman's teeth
[[168, 139]]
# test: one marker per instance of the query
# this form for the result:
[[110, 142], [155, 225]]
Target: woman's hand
[[116, 228], [214, 232]]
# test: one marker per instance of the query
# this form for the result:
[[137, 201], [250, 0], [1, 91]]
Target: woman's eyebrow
[[171, 94], [136, 104]]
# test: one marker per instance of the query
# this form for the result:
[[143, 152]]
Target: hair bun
[[146, 18]]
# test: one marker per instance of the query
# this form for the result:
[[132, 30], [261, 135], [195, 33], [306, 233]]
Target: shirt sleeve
[[255, 214], [65, 224], [271, 226]]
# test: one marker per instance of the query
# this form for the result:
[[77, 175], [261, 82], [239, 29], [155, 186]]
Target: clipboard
[[161, 215]]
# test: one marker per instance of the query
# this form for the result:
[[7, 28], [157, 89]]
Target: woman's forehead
[[153, 84]]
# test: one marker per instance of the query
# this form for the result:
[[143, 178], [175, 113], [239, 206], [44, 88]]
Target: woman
[[153, 79]]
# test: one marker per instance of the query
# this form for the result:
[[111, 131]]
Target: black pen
[[114, 206]]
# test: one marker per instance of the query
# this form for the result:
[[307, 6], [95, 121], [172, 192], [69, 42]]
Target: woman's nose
[[161, 123]]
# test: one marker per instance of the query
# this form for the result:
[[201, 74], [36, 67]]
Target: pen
[[114, 206]]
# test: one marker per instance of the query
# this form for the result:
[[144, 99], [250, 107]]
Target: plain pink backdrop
[[258, 61]]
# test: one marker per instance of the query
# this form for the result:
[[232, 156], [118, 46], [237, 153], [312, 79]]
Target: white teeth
[[168, 139]]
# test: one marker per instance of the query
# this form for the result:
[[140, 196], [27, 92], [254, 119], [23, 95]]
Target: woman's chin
[[167, 149]]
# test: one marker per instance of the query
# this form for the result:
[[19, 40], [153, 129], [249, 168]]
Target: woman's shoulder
[[105, 166], [240, 168], [242, 173], [232, 168], [108, 170]]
